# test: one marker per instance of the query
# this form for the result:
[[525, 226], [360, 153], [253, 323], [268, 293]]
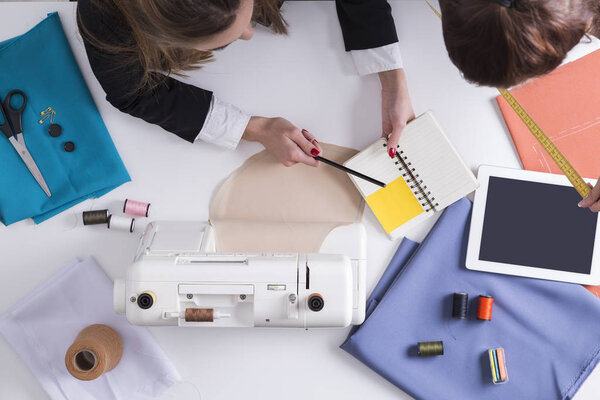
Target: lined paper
[[436, 161], [374, 162], [427, 150]]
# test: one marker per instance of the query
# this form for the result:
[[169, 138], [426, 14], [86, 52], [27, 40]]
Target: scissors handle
[[4, 124], [13, 115]]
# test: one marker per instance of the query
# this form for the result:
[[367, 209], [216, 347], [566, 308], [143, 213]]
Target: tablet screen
[[537, 225]]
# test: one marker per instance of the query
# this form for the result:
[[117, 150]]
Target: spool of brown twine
[[199, 315], [97, 349]]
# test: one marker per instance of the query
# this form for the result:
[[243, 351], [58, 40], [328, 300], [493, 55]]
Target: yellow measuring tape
[[550, 148]]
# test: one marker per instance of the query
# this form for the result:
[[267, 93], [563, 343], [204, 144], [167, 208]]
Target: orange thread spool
[[484, 308]]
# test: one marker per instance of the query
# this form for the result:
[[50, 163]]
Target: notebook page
[[436, 161], [376, 163]]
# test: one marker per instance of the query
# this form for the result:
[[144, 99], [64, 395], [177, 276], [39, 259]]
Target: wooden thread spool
[[97, 349]]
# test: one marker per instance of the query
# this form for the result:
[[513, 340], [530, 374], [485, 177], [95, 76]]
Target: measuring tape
[[561, 161]]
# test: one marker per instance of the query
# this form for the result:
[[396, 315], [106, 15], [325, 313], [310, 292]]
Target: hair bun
[[505, 3]]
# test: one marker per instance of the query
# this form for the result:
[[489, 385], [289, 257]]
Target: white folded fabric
[[43, 326]]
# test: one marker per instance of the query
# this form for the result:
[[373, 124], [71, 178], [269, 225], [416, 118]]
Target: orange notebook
[[566, 105]]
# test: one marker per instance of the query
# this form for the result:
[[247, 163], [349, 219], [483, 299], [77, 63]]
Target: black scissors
[[11, 126]]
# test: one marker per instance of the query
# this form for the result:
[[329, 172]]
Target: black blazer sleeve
[[366, 24], [177, 107]]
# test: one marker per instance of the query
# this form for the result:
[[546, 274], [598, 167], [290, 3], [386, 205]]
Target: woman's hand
[[281, 138], [396, 108], [592, 200]]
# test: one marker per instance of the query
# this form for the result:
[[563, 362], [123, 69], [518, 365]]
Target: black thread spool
[[460, 304], [95, 217], [427, 349]]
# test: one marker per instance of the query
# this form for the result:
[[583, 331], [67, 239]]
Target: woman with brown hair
[[506, 42], [134, 46]]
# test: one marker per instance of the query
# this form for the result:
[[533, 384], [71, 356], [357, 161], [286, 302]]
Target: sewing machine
[[177, 278]]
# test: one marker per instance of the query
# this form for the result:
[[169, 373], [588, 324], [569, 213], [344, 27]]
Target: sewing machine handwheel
[[315, 302]]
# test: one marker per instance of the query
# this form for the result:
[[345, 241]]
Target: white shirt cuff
[[224, 124], [379, 59]]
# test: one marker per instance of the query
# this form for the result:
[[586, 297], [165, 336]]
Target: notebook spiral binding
[[416, 185]]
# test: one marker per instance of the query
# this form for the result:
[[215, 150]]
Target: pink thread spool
[[136, 208]]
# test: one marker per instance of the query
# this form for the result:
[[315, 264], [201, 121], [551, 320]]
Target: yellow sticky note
[[394, 204]]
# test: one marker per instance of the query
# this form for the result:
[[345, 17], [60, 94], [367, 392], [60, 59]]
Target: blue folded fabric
[[41, 64], [550, 331]]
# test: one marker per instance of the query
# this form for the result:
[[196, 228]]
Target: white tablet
[[528, 223]]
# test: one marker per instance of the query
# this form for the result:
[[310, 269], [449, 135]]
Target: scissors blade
[[30, 163]]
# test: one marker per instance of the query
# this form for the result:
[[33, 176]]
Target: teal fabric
[[41, 64]]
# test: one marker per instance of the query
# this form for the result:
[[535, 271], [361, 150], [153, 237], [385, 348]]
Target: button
[[69, 147], [55, 130]]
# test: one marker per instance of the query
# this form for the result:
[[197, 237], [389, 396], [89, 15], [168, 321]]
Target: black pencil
[[350, 171]]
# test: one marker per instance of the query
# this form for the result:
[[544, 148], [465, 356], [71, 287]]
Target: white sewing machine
[[177, 278]]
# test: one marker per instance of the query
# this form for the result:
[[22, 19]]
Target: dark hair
[[162, 31], [501, 46]]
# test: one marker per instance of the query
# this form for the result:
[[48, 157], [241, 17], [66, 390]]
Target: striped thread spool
[[134, 207], [460, 304], [431, 349], [95, 217], [484, 308], [498, 365]]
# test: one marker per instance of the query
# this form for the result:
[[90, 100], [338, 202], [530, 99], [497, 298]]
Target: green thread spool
[[431, 349]]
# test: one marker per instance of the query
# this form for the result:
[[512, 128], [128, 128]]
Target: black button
[[55, 130], [69, 146]]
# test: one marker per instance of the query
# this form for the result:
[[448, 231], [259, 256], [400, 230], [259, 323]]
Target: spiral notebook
[[426, 176]]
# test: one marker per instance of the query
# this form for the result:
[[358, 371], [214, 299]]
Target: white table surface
[[309, 79]]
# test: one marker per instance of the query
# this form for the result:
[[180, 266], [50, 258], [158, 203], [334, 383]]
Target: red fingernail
[[314, 152], [304, 131], [392, 152]]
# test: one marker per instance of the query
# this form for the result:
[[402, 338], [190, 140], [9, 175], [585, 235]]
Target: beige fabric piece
[[264, 206]]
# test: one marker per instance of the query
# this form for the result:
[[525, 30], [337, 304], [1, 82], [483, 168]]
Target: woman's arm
[[186, 110], [366, 24], [396, 107], [370, 35], [177, 107]]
